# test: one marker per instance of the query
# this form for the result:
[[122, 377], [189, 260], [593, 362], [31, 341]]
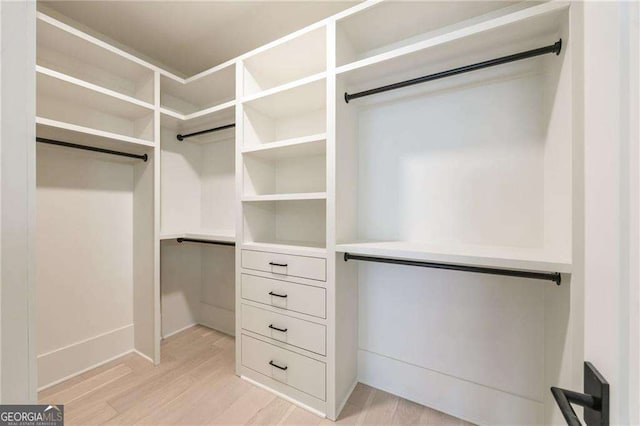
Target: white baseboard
[[137, 352], [166, 336], [455, 396], [220, 319], [64, 363]]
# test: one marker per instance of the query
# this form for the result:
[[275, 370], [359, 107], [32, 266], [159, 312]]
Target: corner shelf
[[198, 95], [223, 235], [215, 116], [494, 257], [286, 197]]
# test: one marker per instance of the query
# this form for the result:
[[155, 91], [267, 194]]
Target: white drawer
[[298, 371], [301, 298], [293, 331], [285, 264]]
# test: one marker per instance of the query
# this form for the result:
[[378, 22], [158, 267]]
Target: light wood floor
[[195, 384]]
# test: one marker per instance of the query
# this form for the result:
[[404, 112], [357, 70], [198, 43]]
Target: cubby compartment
[[65, 100], [198, 93], [198, 180], [387, 26], [295, 169], [437, 178], [272, 67], [66, 50], [300, 223], [293, 113]]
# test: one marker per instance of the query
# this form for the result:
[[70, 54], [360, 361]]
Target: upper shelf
[[199, 95], [471, 255], [502, 32], [289, 148], [66, 99], [69, 51], [66, 132], [273, 67], [215, 117], [296, 99]]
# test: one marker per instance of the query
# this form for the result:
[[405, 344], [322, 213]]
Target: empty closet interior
[[385, 196]]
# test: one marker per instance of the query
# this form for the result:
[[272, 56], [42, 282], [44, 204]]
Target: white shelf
[[66, 132], [294, 99], [286, 197], [224, 236], [198, 95], [290, 148], [59, 85], [466, 43], [216, 116], [285, 87], [272, 67], [494, 257], [70, 51], [310, 248]]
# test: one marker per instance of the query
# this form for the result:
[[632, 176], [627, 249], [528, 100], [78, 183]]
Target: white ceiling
[[190, 36]]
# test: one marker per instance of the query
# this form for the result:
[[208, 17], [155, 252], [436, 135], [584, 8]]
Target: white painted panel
[[460, 398], [487, 330], [463, 165], [217, 292], [84, 246], [181, 281]]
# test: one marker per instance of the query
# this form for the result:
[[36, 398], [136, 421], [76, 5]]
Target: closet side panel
[[143, 258], [17, 190], [84, 274]]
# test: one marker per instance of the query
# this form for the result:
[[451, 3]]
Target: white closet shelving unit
[[475, 170], [96, 236]]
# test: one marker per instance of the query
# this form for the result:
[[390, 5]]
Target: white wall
[[17, 196], [84, 247], [611, 201]]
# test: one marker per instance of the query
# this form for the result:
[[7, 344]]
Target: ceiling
[[187, 37]]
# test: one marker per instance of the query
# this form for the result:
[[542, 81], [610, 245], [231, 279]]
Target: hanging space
[[197, 183], [454, 203], [95, 240]]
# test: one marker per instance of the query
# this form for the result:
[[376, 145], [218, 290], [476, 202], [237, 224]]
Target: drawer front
[[293, 331], [314, 268], [298, 371], [301, 298]]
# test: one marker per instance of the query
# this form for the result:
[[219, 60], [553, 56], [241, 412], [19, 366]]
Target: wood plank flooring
[[195, 384]]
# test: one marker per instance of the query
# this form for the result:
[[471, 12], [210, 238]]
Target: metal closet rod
[[181, 137], [142, 157], [195, 240], [553, 48], [551, 276]]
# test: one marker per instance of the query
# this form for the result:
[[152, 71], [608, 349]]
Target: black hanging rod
[[195, 240], [142, 157], [554, 48], [202, 132], [555, 276]]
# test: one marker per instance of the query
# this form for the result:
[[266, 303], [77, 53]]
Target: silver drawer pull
[[273, 364], [282, 330], [277, 295]]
